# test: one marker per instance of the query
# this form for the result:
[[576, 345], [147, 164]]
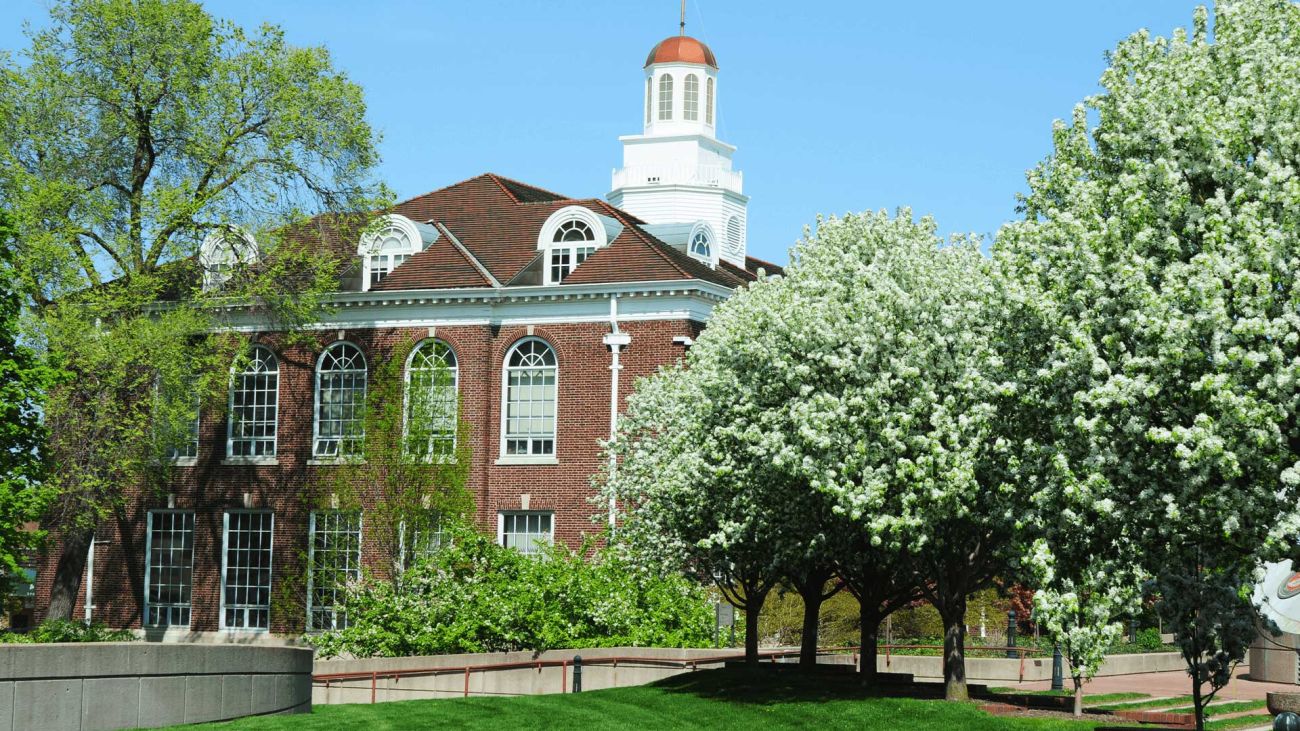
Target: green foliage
[[24, 377], [1149, 640], [477, 596], [66, 630]]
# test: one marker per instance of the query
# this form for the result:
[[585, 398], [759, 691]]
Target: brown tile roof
[[497, 220]]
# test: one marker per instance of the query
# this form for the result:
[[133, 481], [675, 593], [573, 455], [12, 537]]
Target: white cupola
[[677, 170]]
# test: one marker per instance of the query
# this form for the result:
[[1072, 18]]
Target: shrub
[[477, 596], [66, 630], [1149, 639]]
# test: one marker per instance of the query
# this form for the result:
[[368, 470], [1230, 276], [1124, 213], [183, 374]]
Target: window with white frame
[[222, 252], [691, 98], [573, 242], [422, 538], [254, 403], [334, 558], [526, 532], [246, 570], [432, 402], [169, 568], [665, 97], [701, 246], [708, 100], [340, 427], [182, 445], [389, 243], [529, 424]]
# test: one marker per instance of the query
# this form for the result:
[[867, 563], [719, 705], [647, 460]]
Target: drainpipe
[[616, 341]]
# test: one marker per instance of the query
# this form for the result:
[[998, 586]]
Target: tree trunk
[[869, 645], [954, 648], [1078, 696], [812, 611], [751, 630], [73, 547], [1196, 701]]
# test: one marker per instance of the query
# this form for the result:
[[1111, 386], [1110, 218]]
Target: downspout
[[616, 341]]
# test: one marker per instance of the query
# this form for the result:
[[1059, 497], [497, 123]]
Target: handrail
[[692, 663]]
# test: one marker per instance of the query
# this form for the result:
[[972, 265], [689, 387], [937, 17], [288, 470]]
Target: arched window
[[529, 425], [648, 86], [574, 241], [340, 402], [665, 97], [254, 403], [387, 244], [708, 101], [735, 243], [700, 244], [432, 402], [691, 98]]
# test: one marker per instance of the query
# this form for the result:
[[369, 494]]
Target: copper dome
[[681, 49]]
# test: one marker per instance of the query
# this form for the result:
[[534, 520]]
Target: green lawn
[[743, 699]]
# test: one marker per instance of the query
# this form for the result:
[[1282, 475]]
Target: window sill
[[183, 461], [526, 459], [244, 631], [250, 461], [333, 461]]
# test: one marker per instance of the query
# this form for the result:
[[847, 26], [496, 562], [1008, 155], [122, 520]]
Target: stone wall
[[1274, 659], [114, 685]]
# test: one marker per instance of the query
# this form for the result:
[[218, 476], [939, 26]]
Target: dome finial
[[682, 32]]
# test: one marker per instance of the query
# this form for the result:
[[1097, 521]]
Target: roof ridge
[[497, 179], [446, 187], [515, 181], [468, 256]]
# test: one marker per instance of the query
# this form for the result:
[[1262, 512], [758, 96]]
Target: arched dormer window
[[432, 402], [528, 423], [700, 244], [340, 423], [254, 406], [568, 237], [221, 252], [708, 101], [649, 86], [665, 98], [389, 242], [691, 98]]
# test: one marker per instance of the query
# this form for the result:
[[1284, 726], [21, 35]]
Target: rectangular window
[[419, 542], [169, 568], [334, 555], [381, 265], [565, 259], [246, 570], [526, 532], [254, 406], [187, 447]]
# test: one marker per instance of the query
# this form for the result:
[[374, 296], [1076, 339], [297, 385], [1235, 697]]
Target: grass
[[1223, 709], [1088, 700], [1253, 721], [1166, 703], [738, 698]]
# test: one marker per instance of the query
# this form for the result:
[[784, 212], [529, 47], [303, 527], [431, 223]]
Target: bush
[[1149, 640], [65, 630], [477, 596]]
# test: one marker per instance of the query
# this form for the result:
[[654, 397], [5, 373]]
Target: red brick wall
[[210, 488]]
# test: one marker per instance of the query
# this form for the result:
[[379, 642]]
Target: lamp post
[[1011, 634]]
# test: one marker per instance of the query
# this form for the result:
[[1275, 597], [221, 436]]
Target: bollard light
[[577, 673], [1286, 721], [1058, 669], [1011, 634]]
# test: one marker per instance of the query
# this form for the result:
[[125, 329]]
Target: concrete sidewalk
[[1169, 684]]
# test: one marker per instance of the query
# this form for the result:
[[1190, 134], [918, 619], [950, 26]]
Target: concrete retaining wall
[[1274, 659], [113, 685], [538, 681]]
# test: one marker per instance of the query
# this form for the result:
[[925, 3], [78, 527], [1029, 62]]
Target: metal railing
[[566, 664]]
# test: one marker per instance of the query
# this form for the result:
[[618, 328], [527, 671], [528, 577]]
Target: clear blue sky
[[836, 106]]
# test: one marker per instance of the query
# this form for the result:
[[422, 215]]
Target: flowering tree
[[1165, 241]]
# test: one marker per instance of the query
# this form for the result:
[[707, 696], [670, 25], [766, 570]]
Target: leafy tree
[[135, 129], [1165, 242], [24, 377]]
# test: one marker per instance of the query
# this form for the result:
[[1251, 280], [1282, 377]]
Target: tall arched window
[[254, 403], [649, 85], [529, 423], [340, 402], [691, 98], [432, 402], [708, 101], [665, 97]]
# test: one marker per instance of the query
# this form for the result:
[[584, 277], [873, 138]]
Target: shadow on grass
[[765, 685]]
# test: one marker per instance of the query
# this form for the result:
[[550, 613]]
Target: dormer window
[[569, 237], [700, 243], [222, 252], [391, 241]]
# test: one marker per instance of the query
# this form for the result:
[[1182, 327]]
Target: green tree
[[135, 129], [1164, 241], [24, 378]]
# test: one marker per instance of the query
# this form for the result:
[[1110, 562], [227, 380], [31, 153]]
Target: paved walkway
[[1169, 684]]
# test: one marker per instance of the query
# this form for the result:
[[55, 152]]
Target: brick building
[[542, 309]]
